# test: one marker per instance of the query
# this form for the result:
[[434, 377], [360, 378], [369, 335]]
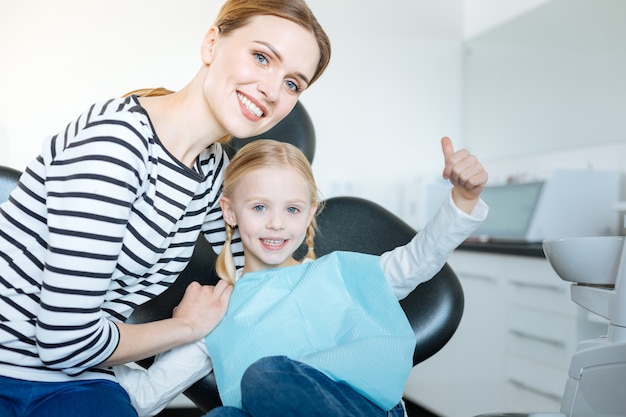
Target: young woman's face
[[257, 73], [272, 209]]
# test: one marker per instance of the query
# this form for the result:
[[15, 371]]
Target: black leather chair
[[297, 129], [434, 308], [8, 180]]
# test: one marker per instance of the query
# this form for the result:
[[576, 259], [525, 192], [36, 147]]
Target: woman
[[106, 217]]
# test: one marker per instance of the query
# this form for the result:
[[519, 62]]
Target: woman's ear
[[208, 44], [228, 212]]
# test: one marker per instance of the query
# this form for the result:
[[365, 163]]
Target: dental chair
[[8, 180], [434, 308]]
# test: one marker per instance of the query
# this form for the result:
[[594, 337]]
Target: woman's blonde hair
[[149, 92], [264, 153]]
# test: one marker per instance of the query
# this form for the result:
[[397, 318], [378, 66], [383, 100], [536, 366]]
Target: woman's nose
[[270, 88]]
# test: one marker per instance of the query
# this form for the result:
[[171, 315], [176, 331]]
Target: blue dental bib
[[337, 314]]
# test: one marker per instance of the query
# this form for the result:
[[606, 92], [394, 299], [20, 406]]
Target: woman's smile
[[250, 108], [259, 71]]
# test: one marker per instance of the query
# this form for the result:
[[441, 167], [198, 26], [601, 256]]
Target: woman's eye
[[292, 86], [262, 59]]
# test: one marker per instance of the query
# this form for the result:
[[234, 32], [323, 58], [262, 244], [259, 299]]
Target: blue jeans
[[93, 398], [280, 387]]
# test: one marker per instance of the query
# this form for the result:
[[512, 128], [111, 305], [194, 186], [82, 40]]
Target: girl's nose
[[275, 222]]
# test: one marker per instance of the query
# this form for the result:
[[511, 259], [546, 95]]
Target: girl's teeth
[[273, 242]]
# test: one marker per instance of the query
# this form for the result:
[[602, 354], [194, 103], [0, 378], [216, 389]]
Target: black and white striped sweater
[[102, 221]]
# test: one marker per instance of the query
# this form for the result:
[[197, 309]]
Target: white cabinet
[[512, 350]]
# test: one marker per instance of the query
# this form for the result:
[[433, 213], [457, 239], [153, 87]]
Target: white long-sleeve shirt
[[405, 267]]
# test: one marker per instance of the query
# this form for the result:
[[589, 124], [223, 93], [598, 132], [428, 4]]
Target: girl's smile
[[274, 244]]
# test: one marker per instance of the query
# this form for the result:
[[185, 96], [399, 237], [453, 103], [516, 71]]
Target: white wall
[[483, 15], [546, 91], [58, 57], [391, 91], [551, 79], [393, 88]]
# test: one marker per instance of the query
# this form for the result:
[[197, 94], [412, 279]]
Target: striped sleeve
[[94, 177]]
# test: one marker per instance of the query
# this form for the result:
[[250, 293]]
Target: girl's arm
[[172, 372], [408, 266], [419, 260]]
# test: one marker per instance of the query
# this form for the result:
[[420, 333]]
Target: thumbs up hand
[[466, 174]]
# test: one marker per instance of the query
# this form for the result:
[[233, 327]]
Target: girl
[[296, 333], [107, 216]]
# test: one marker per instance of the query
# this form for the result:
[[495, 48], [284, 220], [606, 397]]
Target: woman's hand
[[466, 174], [197, 314], [203, 307]]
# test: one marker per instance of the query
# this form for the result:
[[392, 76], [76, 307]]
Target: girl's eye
[[293, 210], [258, 207], [292, 86], [261, 59]]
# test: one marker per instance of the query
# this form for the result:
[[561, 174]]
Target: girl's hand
[[203, 307], [466, 174]]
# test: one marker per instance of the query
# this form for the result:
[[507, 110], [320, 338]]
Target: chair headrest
[[296, 128], [8, 181]]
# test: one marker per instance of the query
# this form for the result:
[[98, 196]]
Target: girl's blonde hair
[[264, 153]]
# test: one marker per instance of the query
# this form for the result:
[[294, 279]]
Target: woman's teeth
[[252, 108]]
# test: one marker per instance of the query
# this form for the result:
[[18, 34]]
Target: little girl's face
[[272, 208]]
